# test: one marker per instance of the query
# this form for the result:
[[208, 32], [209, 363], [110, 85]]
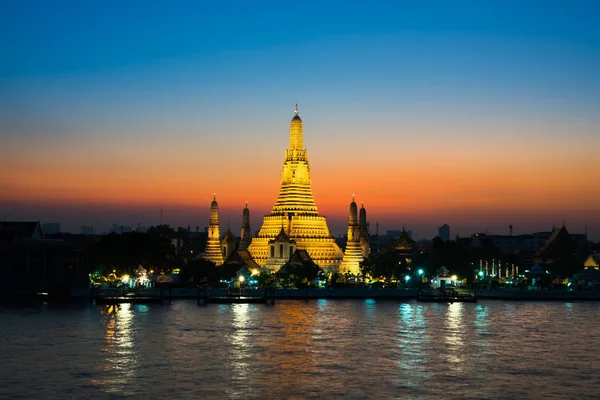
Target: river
[[321, 349]]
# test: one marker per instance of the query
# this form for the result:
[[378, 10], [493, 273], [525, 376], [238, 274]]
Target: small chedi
[[213, 245], [353, 255], [294, 222]]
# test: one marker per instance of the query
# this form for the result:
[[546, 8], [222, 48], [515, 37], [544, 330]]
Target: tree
[[125, 253], [199, 269], [299, 273]]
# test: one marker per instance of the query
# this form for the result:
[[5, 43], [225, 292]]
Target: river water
[[323, 349]]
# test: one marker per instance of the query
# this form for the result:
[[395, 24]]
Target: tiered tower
[[245, 238], [213, 245], [353, 255], [363, 227], [296, 211]]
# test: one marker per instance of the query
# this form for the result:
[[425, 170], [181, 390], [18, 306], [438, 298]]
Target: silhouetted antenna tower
[[161, 214]]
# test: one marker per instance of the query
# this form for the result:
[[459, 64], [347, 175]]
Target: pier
[[133, 296]]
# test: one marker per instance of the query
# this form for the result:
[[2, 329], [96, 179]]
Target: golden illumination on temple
[[213, 245], [295, 213], [353, 255]]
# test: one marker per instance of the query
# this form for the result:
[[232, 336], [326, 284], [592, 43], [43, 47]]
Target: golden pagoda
[[295, 212], [213, 245], [353, 255], [363, 228]]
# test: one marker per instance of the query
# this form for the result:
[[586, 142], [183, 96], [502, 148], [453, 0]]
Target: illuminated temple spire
[[213, 245], [363, 228], [245, 238], [353, 254], [295, 210]]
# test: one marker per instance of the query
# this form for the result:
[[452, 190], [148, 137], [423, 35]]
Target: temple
[[353, 255], [363, 228], [294, 221], [213, 245], [294, 224], [245, 236]]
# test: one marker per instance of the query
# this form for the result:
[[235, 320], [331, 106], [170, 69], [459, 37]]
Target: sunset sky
[[431, 112]]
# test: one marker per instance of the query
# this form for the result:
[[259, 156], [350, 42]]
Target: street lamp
[[241, 279], [420, 272]]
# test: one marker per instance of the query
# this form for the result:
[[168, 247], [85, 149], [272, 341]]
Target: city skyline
[[478, 117]]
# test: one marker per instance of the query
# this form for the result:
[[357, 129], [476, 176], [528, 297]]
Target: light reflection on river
[[320, 349]]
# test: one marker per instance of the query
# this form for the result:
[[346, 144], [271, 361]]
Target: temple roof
[[228, 236], [404, 242], [301, 255], [22, 230], [299, 258], [593, 260], [558, 235], [241, 257], [281, 237]]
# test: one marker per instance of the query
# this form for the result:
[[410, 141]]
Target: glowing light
[[420, 272], [481, 273], [125, 278], [407, 278], [454, 277], [241, 278]]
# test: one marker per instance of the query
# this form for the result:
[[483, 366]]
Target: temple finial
[[246, 203], [214, 197], [353, 197], [296, 109]]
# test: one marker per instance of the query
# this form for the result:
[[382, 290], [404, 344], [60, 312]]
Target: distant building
[[119, 229], [444, 232], [31, 263], [51, 228], [87, 230], [511, 244], [143, 229]]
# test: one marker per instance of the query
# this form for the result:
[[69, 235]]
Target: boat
[[449, 296]]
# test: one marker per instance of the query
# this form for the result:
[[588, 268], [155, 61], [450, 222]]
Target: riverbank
[[390, 294]]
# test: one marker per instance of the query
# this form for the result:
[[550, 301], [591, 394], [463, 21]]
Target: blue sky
[[405, 74]]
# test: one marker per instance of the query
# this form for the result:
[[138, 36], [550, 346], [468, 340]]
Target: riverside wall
[[400, 293]]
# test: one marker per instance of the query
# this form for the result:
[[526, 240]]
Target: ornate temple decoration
[[353, 255], [295, 211], [213, 245]]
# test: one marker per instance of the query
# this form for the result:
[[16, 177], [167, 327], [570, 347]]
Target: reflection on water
[[453, 336], [320, 349], [119, 355], [240, 341], [412, 339]]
